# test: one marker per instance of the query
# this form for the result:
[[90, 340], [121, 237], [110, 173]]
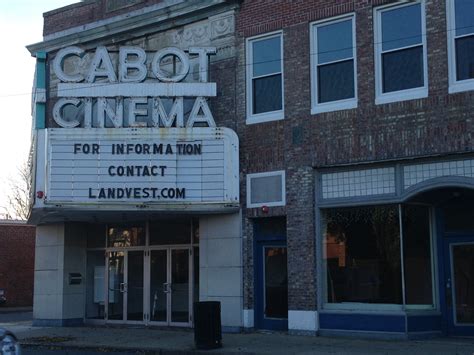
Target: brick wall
[[437, 125], [87, 12], [17, 259]]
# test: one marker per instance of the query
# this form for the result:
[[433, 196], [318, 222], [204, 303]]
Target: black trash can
[[207, 325]]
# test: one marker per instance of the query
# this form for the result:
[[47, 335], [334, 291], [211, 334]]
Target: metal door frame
[[124, 294], [453, 328], [169, 295]]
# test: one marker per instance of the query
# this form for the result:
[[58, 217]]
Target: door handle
[[123, 287], [449, 300], [166, 287]]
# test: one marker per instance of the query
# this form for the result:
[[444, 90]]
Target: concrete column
[[220, 266], [60, 249]]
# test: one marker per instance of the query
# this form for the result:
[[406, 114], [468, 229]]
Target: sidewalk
[[179, 341]]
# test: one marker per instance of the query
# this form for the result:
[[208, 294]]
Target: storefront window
[[417, 255], [363, 257], [362, 248]]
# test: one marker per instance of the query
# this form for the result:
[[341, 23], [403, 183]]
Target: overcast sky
[[21, 23]]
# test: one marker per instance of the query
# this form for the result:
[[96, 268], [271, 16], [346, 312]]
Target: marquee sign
[[133, 133], [146, 166], [130, 89]]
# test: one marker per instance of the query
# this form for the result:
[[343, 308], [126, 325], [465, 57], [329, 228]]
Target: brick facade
[[440, 124], [17, 260]]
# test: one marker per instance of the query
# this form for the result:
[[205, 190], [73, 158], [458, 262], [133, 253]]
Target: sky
[[21, 24]]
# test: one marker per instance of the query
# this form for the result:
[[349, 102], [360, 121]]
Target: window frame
[[454, 84], [336, 105], [406, 94], [266, 174], [270, 115]]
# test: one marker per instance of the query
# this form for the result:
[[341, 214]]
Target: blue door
[[271, 277], [459, 281]]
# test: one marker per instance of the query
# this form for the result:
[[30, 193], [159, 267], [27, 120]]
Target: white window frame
[[338, 104], [267, 174], [454, 84], [401, 95], [265, 116]]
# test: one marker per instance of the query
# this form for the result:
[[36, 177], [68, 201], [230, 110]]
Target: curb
[[126, 350], [4, 309]]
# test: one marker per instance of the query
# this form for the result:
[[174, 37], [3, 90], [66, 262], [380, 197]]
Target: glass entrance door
[[460, 287], [116, 286], [125, 286], [170, 286]]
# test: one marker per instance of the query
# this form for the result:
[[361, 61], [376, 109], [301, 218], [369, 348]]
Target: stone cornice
[[160, 17]]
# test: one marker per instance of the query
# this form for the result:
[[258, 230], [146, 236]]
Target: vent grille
[[266, 189]]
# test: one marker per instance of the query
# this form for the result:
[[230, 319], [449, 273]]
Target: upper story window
[[265, 78], [333, 68], [400, 52], [461, 45]]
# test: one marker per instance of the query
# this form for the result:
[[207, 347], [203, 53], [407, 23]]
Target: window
[[461, 45], [266, 189], [400, 53], [264, 79], [333, 68], [367, 258]]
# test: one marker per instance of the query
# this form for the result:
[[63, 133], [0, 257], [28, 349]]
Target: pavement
[[146, 340]]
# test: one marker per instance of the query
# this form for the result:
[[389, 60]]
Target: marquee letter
[[203, 60], [58, 64], [200, 105], [133, 111], [176, 113], [138, 64], [104, 110], [160, 74], [57, 113], [101, 57]]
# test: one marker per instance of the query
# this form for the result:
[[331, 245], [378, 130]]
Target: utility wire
[[236, 66]]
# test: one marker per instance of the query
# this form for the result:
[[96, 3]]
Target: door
[[272, 286], [460, 285], [170, 286], [271, 276], [125, 275]]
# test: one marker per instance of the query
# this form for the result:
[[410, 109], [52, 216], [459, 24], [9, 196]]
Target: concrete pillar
[[60, 250], [220, 266]]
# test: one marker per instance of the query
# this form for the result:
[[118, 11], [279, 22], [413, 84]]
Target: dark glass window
[[336, 81], [402, 69], [459, 218], [362, 252], [464, 39], [96, 236], [464, 17], [267, 94], [266, 75], [335, 61], [463, 282], [170, 231], [402, 48], [417, 255], [276, 282], [122, 235]]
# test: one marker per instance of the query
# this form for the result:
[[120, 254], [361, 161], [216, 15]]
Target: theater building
[[309, 164]]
